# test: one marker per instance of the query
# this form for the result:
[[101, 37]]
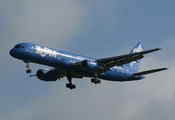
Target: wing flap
[[149, 71]]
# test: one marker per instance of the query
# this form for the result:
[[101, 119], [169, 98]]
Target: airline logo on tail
[[135, 50], [138, 49]]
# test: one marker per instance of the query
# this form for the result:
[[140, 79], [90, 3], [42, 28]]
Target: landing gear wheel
[[28, 71], [98, 81], [70, 86], [67, 85], [95, 81], [73, 86], [27, 66]]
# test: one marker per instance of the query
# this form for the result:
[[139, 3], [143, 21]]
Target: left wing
[[62, 74], [59, 74], [107, 63]]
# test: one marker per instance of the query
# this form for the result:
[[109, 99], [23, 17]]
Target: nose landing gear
[[28, 67], [28, 71]]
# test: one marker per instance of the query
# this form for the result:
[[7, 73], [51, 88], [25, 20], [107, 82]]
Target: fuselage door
[[31, 48], [59, 54]]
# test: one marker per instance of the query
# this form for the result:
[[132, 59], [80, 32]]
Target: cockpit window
[[19, 46]]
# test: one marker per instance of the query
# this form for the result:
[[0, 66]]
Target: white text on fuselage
[[43, 51], [46, 51]]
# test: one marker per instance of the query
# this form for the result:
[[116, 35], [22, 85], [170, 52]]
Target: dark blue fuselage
[[64, 62]]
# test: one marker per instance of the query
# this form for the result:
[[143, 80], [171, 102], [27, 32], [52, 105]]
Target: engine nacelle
[[90, 66], [46, 75]]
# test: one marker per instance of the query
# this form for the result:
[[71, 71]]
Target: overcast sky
[[95, 28]]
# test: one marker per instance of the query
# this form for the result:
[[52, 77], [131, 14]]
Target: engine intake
[[84, 64], [89, 65], [46, 75]]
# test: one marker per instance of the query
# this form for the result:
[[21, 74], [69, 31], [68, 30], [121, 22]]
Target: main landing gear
[[95, 80], [28, 67], [70, 85]]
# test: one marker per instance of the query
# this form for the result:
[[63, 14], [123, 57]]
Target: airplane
[[65, 64]]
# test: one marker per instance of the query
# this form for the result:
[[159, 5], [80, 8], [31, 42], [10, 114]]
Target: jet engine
[[46, 75], [91, 66]]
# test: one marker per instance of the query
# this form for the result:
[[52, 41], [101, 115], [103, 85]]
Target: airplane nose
[[11, 52]]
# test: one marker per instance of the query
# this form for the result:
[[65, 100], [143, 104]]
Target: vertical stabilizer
[[135, 64]]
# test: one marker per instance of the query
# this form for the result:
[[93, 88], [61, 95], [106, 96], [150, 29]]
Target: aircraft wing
[[123, 59], [149, 71], [62, 74]]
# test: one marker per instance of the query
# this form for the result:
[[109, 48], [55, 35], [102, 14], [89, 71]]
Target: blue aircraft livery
[[118, 68]]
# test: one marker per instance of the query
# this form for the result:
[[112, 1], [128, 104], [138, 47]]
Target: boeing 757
[[65, 64]]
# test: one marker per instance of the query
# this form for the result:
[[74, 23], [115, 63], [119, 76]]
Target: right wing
[[107, 63]]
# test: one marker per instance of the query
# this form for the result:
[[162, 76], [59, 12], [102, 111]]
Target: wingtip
[[159, 48], [166, 68]]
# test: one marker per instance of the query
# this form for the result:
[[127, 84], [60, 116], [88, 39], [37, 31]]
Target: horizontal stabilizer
[[149, 71]]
